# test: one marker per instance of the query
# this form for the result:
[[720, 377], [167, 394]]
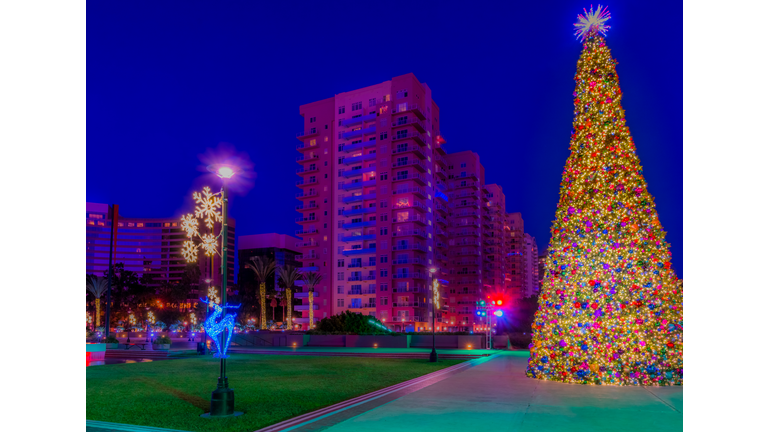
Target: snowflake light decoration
[[208, 205], [592, 21], [207, 208], [212, 295]]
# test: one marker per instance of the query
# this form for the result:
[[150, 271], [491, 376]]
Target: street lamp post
[[223, 398], [207, 309], [435, 299]]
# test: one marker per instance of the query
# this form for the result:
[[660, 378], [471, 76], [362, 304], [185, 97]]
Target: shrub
[[163, 340], [350, 323], [111, 339]]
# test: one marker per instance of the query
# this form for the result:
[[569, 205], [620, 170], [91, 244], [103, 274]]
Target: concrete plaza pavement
[[496, 395]]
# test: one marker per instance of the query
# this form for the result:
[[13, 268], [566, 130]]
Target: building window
[[463, 164], [340, 303], [341, 110], [383, 301], [372, 102], [383, 176], [384, 259], [312, 119], [383, 287], [383, 136], [383, 231], [340, 289], [401, 94], [384, 273], [384, 217], [340, 276], [340, 263], [357, 106]]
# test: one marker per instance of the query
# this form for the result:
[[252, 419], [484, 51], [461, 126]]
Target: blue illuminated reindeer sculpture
[[214, 329]]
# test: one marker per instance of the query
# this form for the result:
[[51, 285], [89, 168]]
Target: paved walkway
[[496, 395]]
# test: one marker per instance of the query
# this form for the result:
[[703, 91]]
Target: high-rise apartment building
[[382, 203], [516, 236], [531, 269]]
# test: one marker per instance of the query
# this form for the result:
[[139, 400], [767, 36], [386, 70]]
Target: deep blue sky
[[168, 80]]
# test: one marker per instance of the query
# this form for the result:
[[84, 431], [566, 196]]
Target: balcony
[[466, 262], [414, 176], [358, 146], [416, 123], [356, 120], [361, 292], [415, 290], [355, 198], [306, 194], [419, 165], [467, 184], [409, 304], [359, 225], [441, 220], [310, 243], [462, 233], [407, 233], [304, 232], [469, 176], [359, 159], [361, 278], [440, 160], [358, 172], [305, 219], [309, 269], [466, 281], [417, 137], [307, 157], [407, 247], [307, 133], [467, 224], [361, 265], [409, 276], [362, 306], [357, 185], [413, 261], [411, 218], [359, 132], [353, 212], [467, 214], [305, 146], [408, 107], [470, 203], [410, 149], [466, 252], [306, 170], [301, 308], [306, 182], [352, 252], [308, 256], [358, 237], [440, 232], [306, 207], [467, 243], [411, 204], [417, 191], [439, 172]]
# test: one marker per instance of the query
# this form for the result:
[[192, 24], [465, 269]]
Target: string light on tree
[[611, 307]]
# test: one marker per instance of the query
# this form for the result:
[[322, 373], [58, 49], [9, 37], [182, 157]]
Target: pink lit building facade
[[381, 203]]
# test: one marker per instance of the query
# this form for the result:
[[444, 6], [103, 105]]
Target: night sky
[[169, 81]]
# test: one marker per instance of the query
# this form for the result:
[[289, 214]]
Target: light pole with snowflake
[[207, 208]]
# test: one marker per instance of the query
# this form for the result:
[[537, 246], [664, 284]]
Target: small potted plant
[[112, 342], [162, 343]]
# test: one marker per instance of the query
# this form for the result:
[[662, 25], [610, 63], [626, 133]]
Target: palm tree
[[262, 269], [311, 280], [96, 286], [289, 275]]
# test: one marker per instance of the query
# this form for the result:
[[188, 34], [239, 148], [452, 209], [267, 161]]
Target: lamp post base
[[433, 356], [222, 403]]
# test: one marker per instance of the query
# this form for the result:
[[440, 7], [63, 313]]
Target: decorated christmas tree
[[611, 307]]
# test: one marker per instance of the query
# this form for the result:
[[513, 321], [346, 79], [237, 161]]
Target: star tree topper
[[592, 22]]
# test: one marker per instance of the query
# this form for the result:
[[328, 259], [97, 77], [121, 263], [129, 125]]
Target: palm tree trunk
[[98, 310], [290, 307], [263, 293], [311, 311]]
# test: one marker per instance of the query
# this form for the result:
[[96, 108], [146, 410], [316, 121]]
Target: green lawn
[[269, 389]]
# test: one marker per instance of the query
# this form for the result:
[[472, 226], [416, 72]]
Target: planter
[[378, 341], [112, 345], [161, 346]]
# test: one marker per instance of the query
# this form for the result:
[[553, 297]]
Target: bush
[[162, 340], [349, 323], [111, 339]]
